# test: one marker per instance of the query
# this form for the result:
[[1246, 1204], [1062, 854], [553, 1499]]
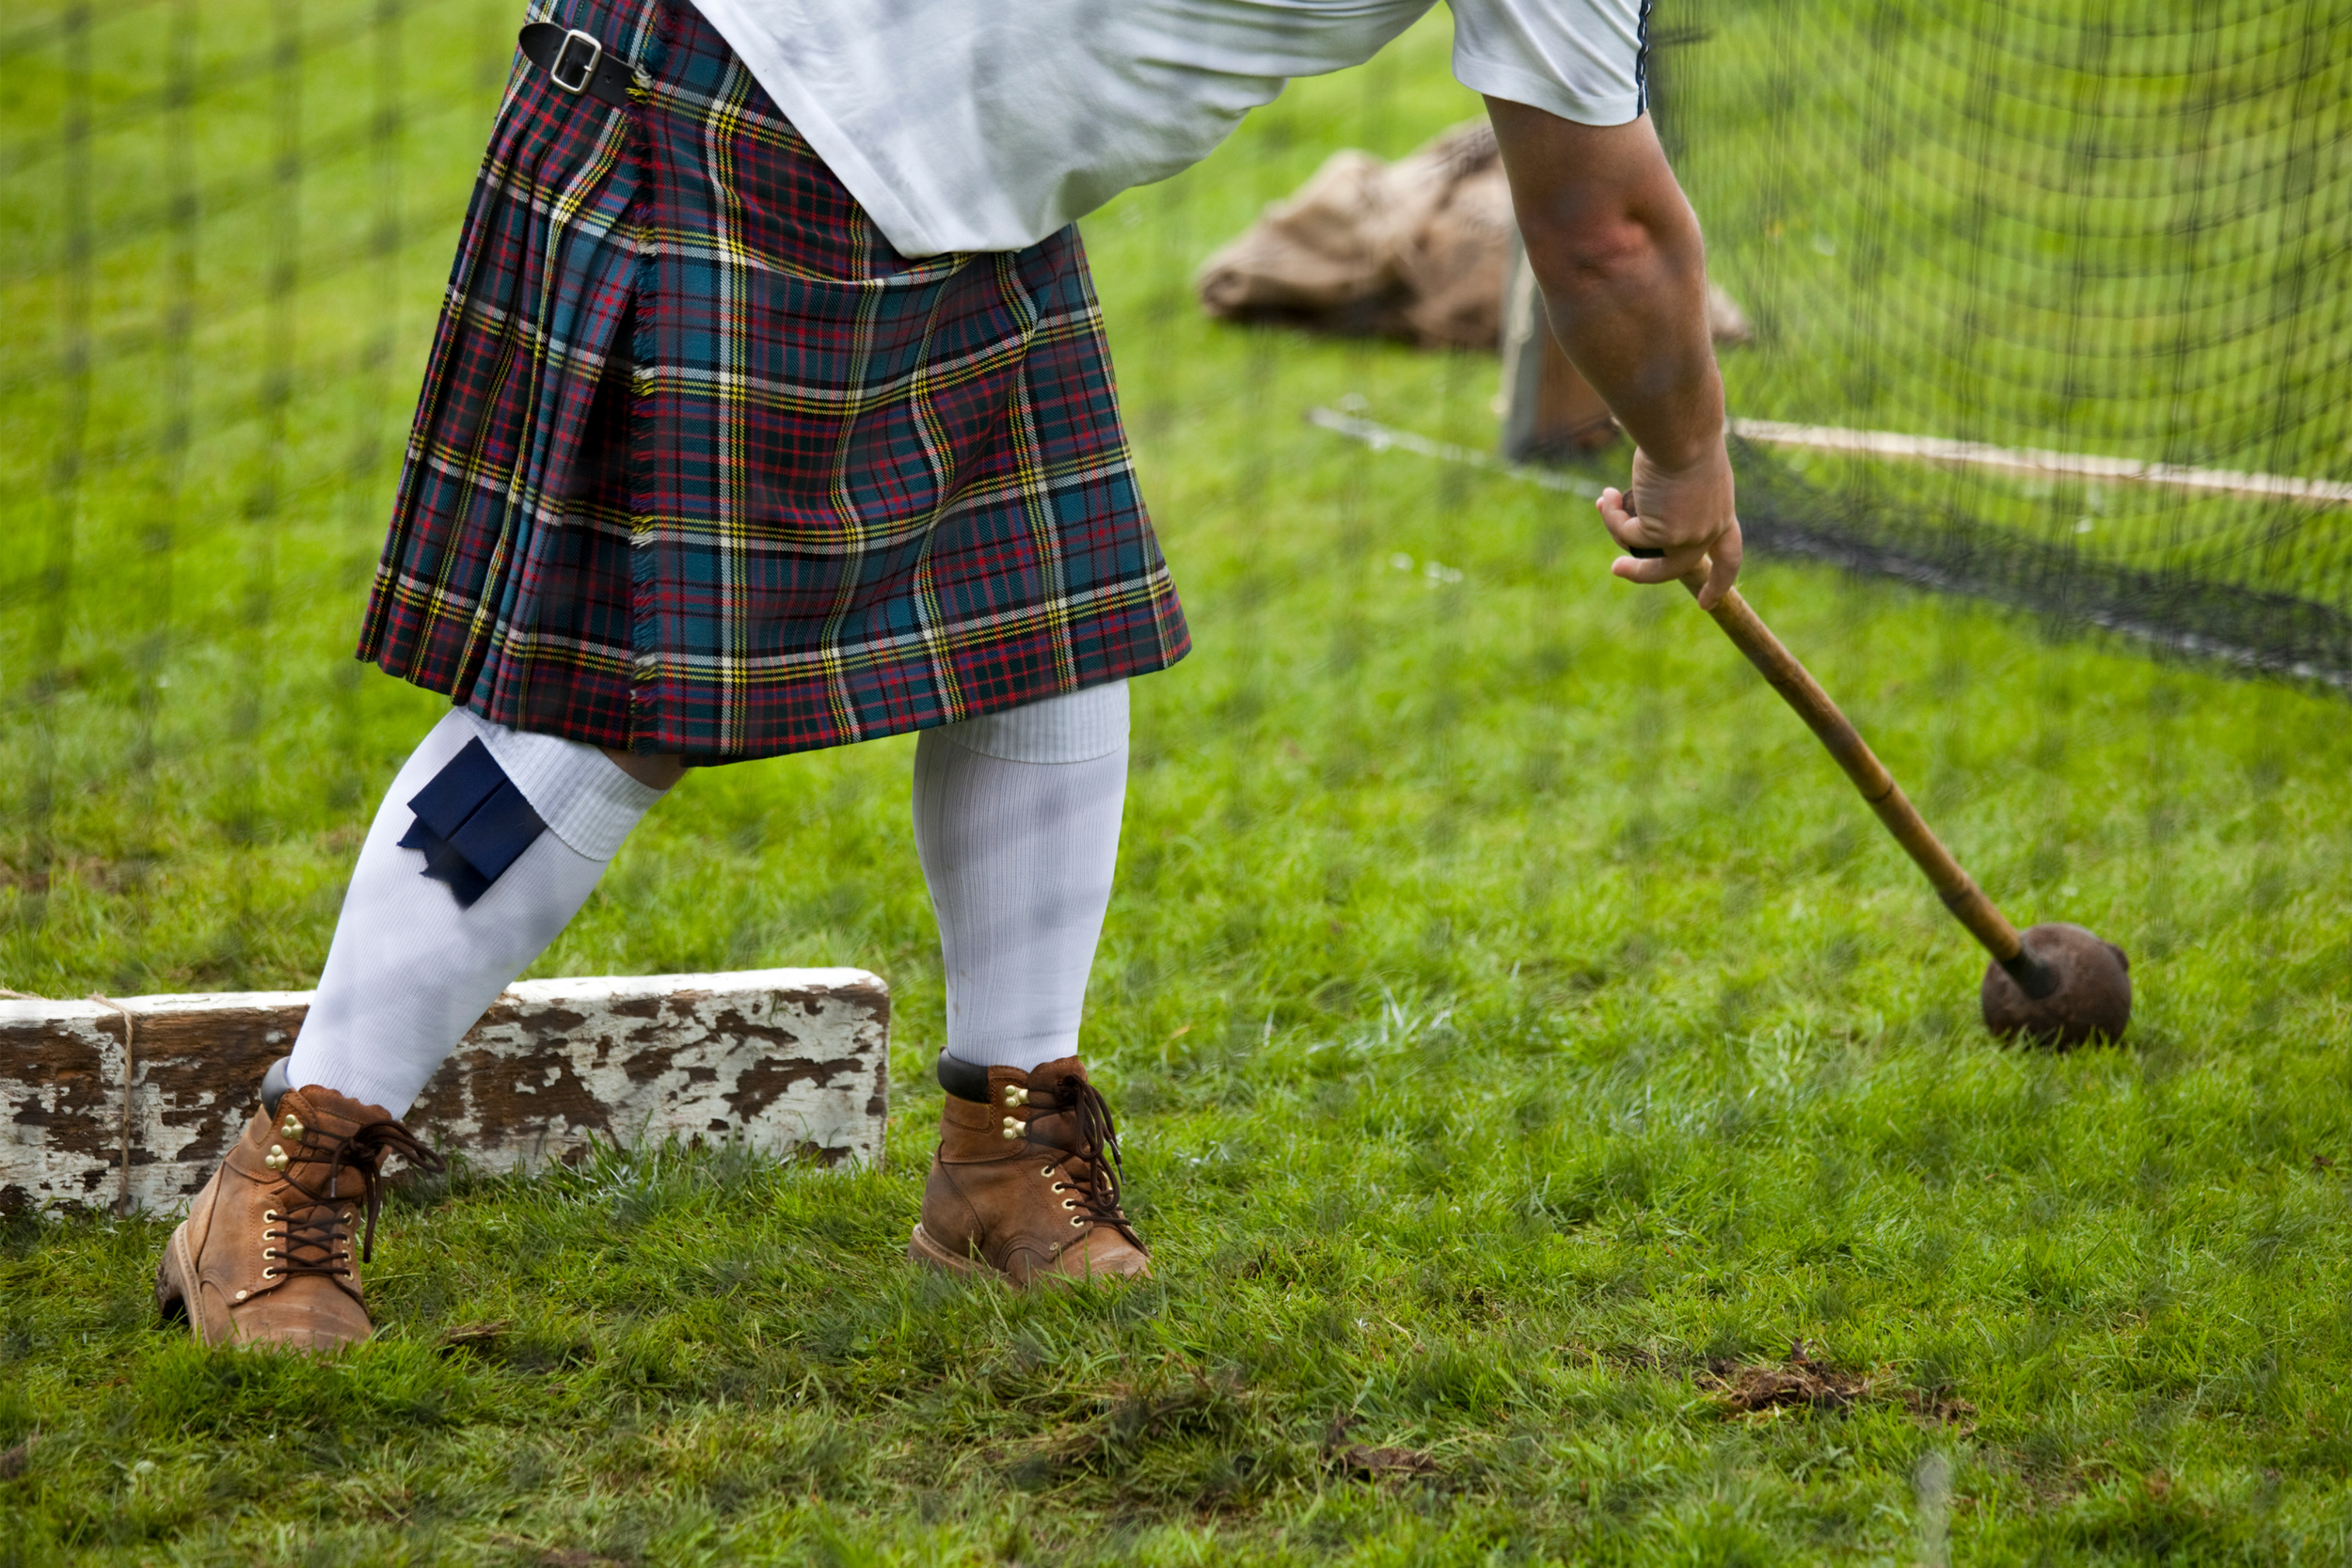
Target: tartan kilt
[[702, 465]]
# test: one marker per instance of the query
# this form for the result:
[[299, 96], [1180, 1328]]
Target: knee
[[654, 772]]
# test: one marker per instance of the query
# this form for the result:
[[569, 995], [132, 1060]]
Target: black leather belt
[[575, 62]]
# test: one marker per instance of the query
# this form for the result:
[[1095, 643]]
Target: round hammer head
[[2093, 998]]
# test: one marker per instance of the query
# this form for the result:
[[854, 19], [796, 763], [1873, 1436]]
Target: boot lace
[[314, 1239], [1096, 1135]]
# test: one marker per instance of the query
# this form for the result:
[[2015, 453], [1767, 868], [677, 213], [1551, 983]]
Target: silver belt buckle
[[563, 53]]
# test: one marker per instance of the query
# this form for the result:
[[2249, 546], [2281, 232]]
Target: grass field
[[1518, 1029]]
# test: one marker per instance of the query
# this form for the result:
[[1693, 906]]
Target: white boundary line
[[2026, 460], [1380, 437], [1883, 443]]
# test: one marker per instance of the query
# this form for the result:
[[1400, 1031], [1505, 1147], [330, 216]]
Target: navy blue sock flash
[[472, 823]]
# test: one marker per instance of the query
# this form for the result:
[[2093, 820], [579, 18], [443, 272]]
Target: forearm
[[1624, 275], [1618, 255]]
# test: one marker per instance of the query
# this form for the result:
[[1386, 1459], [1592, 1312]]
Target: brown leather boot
[[264, 1255], [1026, 1183]]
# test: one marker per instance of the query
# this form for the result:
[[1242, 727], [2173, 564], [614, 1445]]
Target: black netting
[[2065, 238], [2069, 233], [226, 224]]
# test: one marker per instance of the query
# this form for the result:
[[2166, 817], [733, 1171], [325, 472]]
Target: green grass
[[1513, 1015]]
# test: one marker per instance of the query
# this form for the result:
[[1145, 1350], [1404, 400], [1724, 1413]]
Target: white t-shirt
[[989, 124]]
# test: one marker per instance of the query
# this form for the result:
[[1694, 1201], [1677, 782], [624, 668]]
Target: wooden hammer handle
[[1799, 690]]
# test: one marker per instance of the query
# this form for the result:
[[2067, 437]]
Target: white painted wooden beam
[[792, 1061], [2044, 465]]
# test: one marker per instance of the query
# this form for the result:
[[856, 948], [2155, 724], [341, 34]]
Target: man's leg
[[1016, 818], [412, 966], [487, 844]]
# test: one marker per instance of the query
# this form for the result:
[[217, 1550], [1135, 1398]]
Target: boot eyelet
[[269, 1216], [290, 1127], [1062, 1186], [1070, 1203], [276, 1158], [1011, 1133], [269, 1252], [1077, 1220], [270, 1274], [1016, 1095], [241, 1296], [1047, 1171]]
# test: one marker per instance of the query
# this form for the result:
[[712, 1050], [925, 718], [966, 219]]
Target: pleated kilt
[[703, 466]]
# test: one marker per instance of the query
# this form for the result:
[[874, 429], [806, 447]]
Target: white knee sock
[[410, 969], [1016, 817]]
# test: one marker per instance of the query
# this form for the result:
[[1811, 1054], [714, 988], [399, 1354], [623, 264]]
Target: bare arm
[[1617, 252]]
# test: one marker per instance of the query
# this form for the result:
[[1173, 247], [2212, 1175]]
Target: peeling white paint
[[792, 1061]]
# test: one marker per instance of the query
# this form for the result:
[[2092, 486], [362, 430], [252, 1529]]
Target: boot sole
[[922, 1249]]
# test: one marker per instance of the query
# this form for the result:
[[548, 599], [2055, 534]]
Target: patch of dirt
[[1799, 1380], [12, 1461], [480, 1336], [1374, 1464], [1942, 1408], [1184, 1402], [1384, 1464]]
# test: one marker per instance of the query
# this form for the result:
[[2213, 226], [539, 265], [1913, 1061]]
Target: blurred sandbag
[[1418, 249], [1413, 249]]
